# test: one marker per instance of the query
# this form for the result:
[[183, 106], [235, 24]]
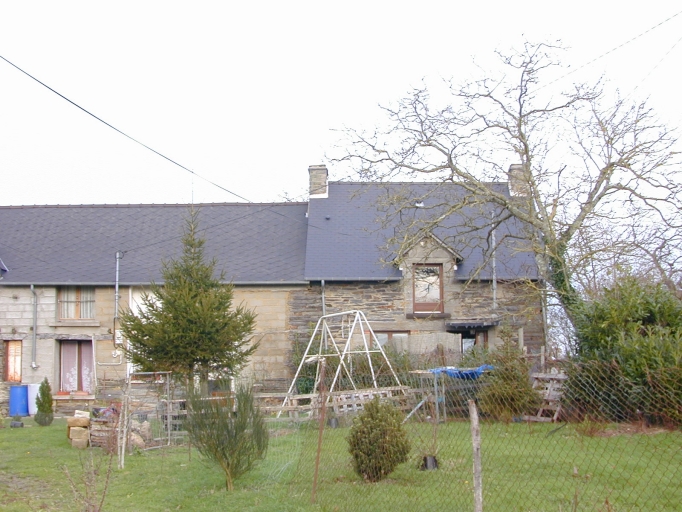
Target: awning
[[482, 323]]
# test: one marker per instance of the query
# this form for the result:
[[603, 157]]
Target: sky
[[247, 95]]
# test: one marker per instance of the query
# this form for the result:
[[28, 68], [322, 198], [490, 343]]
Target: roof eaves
[[269, 283], [351, 279]]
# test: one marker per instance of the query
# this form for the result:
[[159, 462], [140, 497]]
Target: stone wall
[[4, 400], [2, 359], [285, 315], [17, 324], [384, 306], [519, 305]]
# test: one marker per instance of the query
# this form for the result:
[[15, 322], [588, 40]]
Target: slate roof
[[349, 230], [61, 245], [343, 238]]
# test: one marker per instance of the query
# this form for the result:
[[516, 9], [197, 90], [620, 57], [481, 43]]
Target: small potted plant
[[44, 414], [16, 422]]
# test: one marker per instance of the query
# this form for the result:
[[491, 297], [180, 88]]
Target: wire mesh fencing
[[578, 436]]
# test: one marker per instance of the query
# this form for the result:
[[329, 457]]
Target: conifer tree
[[507, 391], [188, 324], [44, 414]]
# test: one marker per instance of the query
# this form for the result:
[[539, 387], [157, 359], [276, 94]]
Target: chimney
[[519, 184], [318, 180]]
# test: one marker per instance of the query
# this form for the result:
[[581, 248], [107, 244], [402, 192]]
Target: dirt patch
[[628, 429], [281, 432], [30, 491]]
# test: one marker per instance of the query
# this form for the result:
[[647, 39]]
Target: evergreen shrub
[[506, 390], [377, 441], [45, 414]]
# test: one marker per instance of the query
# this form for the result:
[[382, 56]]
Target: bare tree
[[592, 176]]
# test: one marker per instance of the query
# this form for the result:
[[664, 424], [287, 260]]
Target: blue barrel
[[18, 401]]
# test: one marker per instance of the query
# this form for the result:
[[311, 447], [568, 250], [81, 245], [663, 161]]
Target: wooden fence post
[[323, 408], [476, 442]]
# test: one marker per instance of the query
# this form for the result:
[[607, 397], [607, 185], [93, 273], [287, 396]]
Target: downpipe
[[34, 365]]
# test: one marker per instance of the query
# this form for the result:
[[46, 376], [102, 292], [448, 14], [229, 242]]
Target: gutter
[[355, 279], [147, 283]]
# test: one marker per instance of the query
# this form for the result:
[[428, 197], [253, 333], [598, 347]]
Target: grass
[[525, 467]]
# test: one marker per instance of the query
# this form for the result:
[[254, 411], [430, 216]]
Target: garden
[[587, 465]]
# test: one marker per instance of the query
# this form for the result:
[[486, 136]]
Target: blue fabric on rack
[[466, 374]]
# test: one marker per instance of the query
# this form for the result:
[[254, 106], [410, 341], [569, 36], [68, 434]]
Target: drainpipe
[[35, 328], [324, 313], [324, 306], [494, 264], [116, 353], [117, 296]]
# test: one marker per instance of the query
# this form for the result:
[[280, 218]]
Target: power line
[[265, 208], [656, 66], [613, 50], [125, 134]]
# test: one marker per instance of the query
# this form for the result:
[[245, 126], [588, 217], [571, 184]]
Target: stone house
[[446, 290]]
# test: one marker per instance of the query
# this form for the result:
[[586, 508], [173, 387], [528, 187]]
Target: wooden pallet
[[550, 387]]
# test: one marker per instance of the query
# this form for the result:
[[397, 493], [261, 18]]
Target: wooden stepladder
[[550, 388]]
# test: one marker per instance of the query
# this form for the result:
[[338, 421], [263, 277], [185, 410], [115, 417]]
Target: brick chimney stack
[[519, 184], [318, 180]]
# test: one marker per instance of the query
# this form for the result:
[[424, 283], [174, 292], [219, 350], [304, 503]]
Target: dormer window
[[428, 288]]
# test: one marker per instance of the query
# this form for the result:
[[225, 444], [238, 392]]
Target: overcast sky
[[249, 94]]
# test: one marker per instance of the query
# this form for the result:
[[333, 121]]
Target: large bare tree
[[594, 177]]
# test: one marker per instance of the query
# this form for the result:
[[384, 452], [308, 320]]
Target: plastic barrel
[[32, 394], [18, 401]]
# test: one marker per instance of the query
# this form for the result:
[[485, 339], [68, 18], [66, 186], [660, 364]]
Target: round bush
[[377, 441], [43, 418]]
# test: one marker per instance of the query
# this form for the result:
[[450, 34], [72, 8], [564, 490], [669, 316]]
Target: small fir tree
[[229, 431], [189, 324], [507, 390], [377, 441], [44, 414]]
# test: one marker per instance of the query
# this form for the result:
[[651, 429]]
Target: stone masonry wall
[[383, 304], [17, 324], [285, 315], [4, 387], [519, 305], [270, 361]]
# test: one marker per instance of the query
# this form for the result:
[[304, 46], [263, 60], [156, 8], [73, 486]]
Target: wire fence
[[573, 437]]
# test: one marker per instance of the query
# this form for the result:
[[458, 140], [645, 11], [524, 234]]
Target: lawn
[[526, 467]]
